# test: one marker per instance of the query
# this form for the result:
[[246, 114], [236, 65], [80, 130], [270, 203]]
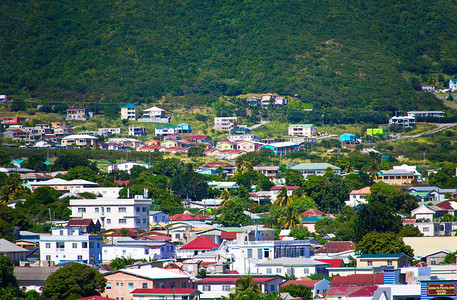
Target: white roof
[[154, 108], [7, 246], [80, 136], [154, 273], [58, 181]]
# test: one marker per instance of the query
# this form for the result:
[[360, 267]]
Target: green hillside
[[346, 54]]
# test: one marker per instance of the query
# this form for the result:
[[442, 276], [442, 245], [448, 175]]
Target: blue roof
[[312, 219], [130, 105], [453, 80]]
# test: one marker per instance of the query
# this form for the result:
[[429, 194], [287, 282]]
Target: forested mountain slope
[[345, 53]]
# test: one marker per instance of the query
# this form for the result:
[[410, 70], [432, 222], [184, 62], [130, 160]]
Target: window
[[122, 221], [306, 271], [259, 253], [389, 263], [108, 285], [48, 245], [206, 287], [144, 285], [122, 284], [138, 209], [162, 285], [122, 209], [183, 284], [61, 233], [144, 208], [137, 221], [124, 252], [75, 245], [278, 270], [108, 221], [82, 210], [97, 210], [225, 287], [269, 271], [48, 257], [433, 261], [369, 263], [117, 283], [249, 253], [144, 221], [80, 257], [108, 209], [98, 245], [146, 251], [425, 229], [266, 253], [130, 285], [84, 245]]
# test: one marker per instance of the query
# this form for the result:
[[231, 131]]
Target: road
[[258, 125], [440, 127]]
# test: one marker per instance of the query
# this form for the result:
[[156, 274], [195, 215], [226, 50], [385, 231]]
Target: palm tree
[[246, 288], [282, 199], [290, 217]]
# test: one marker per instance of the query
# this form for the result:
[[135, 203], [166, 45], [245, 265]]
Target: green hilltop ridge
[[345, 54]]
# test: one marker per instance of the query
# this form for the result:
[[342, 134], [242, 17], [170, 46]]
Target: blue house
[[348, 137], [281, 148], [183, 128]]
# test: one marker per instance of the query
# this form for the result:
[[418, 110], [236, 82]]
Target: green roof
[[314, 166], [232, 229]]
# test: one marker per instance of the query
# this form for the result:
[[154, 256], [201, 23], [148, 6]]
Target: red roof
[[232, 272], [336, 247], [446, 205], [228, 235], [200, 243], [352, 291], [182, 217], [79, 222], [308, 283], [408, 221], [195, 137], [95, 298], [232, 279], [175, 291], [117, 231], [334, 263], [278, 187], [358, 279], [313, 212]]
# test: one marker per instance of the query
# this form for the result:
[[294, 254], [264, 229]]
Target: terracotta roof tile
[[358, 279], [336, 246]]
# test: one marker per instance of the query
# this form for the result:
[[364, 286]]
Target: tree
[[232, 215], [188, 184], [383, 243], [34, 162], [11, 188], [282, 199], [120, 262], [389, 196], [81, 172], [290, 217], [246, 288], [196, 151], [7, 279], [410, 230], [293, 178], [73, 281], [71, 159], [295, 290], [449, 258]]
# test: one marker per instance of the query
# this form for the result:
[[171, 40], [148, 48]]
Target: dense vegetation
[[353, 54]]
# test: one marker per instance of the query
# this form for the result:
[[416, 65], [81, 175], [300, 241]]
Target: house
[[405, 122], [159, 294], [306, 130], [126, 166], [63, 131], [14, 120], [30, 178], [121, 283], [100, 192], [224, 154], [348, 138], [215, 286], [137, 131], [358, 280], [226, 168], [198, 138], [78, 114], [158, 217], [399, 175], [154, 115], [246, 254], [375, 131], [225, 123], [87, 225], [242, 134], [248, 146], [70, 244], [280, 101], [15, 253], [427, 88], [148, 250], [453, 84], [226, 145], [335, 249], [109, 131], [79, 141], [316, 286], [63, 185], [114, 213], [378, 260], [317, 169], [267, 99], [435, 114], [124, 143], [281, 148], [130, 111], [435, 258], [33, 278], [291, 266], [275, 190], [272, 172], [14, 133], [351, 292], [357, 197], [223, 185], [195, 247], [167, 130]]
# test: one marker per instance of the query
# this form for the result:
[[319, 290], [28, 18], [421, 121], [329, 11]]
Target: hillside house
[[282, 148], [78, 114], [405, 122], [357, 197], [453, 84], [62, 185], [291, 266], [306, 130], [317, 169], [137, 131], [154, 115], [435, 114], [272, 172], [126, 166], [225, 123], [378, 260], [130, 111], [79, 141]]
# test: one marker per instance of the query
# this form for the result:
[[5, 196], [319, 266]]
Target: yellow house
[[79, 141], [226, 145], [375, 131], [378, 260]]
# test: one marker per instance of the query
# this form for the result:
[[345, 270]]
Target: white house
[[318, 169], [453, 84], [100, 192], [138, 249], [114, 213], [357, 197], [137, 131], [405, 122], [154, 115], [70, 244], [296, 266], [308, 130], [126, 166]]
